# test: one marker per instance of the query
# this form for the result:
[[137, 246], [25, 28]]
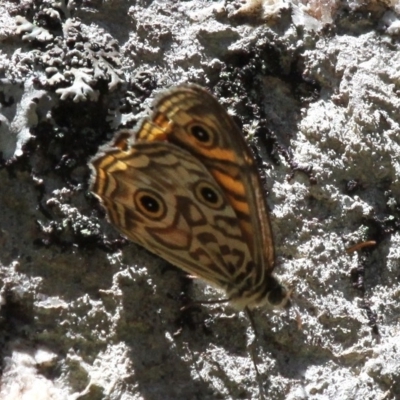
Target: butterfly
[[185, 185]]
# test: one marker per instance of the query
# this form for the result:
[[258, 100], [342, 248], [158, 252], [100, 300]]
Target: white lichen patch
[[30, 31], [20, 115], [80, 90]]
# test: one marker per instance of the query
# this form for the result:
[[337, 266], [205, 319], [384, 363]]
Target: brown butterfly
[[184, 185]]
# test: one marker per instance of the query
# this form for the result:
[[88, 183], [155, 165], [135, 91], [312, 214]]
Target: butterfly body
[[185, 186]]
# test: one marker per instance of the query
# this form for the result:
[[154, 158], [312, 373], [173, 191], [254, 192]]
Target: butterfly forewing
[[182, 111]]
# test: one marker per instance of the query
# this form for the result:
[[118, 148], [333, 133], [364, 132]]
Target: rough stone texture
[[87, 315]]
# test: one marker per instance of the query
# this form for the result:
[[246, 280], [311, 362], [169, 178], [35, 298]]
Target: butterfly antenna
[[253, 347]]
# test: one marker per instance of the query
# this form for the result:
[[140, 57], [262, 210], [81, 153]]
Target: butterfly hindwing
[[166, 200]]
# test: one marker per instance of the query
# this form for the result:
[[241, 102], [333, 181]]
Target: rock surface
[[87, 315]]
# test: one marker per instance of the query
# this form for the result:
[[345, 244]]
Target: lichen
[[61, 56], [19, 115], [71, 55], [80, 90], [30, 31]]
